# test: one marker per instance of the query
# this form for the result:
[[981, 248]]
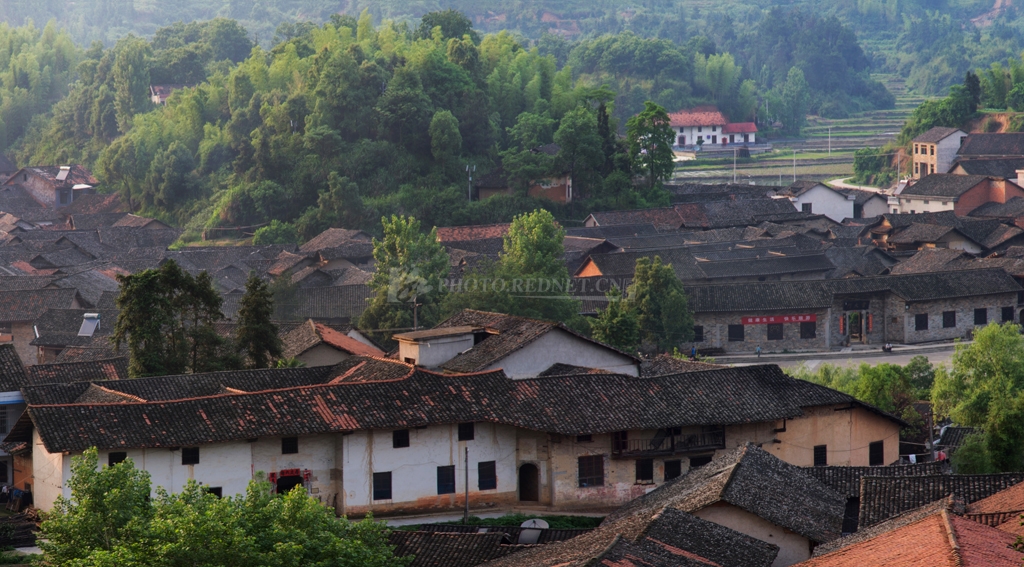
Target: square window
[[698, 333], [805, 207], [584, 438], [921, 322], [876, 454], [382, 485], [820, 455], [1007, 314], [926, 201], [700, 128], [808, 330], [644, 470], [466, 431], [400, 438], [699, 461], [981, 316], [116, 457], [591, 471], [620, 440], [775, 332], [736, 333], [487, 475], [673, 469], [446, 480], [217, 491], [948, 319], [190, 456], [289, 445]]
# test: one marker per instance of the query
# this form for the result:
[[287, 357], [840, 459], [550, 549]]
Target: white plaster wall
[[946, 150], [49, 471], [793, 548], [876, 206], [434, 352], [825, 201], [322, 355], [918, 205], [566, 348], [414, 468]]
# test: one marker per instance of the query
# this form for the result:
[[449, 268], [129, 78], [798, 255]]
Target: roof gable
[[937, 134], [698, 116], [945, 185]]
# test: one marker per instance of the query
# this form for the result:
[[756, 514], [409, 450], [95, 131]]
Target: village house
[[55, 187], [316, 344], [12, 404], [958, 193], [818, 198], [159, 94], [555, 185], [995, 146], [935, 150], [707, 125], [19, 310], [373, 435]]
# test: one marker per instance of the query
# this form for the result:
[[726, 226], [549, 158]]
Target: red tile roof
[[1009, 500], [937, 540], [698, 116], [740, 128], [346, 343], [473, 232]]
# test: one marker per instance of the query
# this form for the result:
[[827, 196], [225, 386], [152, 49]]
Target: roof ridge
[[116, 393], [947, 523]]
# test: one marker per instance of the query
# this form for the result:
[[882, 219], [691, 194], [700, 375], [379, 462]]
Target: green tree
[[618, 324], [985, 389], [453, 24], [445, 140], [796, 98], [650, 143], [276, 232], [110, 520], [661, 305], [131, 80], [408, 281], [257, 334], [579, 148]]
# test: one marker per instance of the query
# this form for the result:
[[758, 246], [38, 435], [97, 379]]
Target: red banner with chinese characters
[[779, 319]]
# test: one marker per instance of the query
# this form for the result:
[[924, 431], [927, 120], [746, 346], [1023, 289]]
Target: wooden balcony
[[664, 445]]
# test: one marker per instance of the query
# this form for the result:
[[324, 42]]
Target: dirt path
[[989, 17]]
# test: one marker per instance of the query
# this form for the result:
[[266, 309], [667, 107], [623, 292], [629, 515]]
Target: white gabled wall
[[825, 201], [558, 346]]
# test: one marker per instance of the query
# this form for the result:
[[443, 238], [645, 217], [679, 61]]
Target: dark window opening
[[446, 480], [809, 330], [619, 440], [736, 333], [466, 431], [921, 322], [673, 469], [217, 491], [410, 361], [820, 455], [981, 316], [644, 470], [1020, 298], [700, 461], [289, 445], [190, 456], [400, 438], [805, 207], [775, 332], [584, 438], [116, 457], [948, 319], [286, 484], [1007, 314], [487, 475], [591, 471], [876, 454], [382, 485], [698, 333]]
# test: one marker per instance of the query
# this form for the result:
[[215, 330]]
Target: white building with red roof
[[706, 125]]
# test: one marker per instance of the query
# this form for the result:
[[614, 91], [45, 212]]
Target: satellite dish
[[534, 523]]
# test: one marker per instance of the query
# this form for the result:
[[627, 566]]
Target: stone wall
[[963, 307], [716, 332]]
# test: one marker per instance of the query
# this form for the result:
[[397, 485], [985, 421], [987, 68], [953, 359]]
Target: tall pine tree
[[257, 334]]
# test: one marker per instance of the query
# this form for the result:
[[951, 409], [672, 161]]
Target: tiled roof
[[25, 283], [507, 334], [1010, 144], [12, 372], [336, 302], [472, 232], [69, 372], [613, 231], [939, 539], [884, 497], [96, 220], [846, 480], [898, 521], [760, 296], [664, 537], [860, 196], [187, 410], [311, 334], [77, 175], [697, 116], [332, 238], [751, 479], [1011, 209], [95, 204], [559, 369], [859, 260], [1009, 500], [943, 185], [663, 364], [953, 436], [739, 128], [921, 233], [91, 285], [991, 167], [438, 549], [29, 305], [935, 135], [135, 221], [928, 260], [59, 327]]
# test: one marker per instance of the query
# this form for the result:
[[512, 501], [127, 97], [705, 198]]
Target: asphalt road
[[936, 358]]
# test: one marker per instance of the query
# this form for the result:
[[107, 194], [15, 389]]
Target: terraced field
[[814, 160]]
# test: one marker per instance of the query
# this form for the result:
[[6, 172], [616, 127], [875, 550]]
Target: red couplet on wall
[[780, 319], [291, 472]]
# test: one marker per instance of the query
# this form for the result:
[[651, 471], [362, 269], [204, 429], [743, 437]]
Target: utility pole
[[470, 169], [829, 141], [734, 165], [465, 516], [794, 165]]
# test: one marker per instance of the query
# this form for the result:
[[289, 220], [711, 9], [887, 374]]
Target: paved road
[[841, 183], [936, 358]]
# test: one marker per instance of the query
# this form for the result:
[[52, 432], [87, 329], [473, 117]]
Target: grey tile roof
[[29, 305], [24, 283], [884, 497], [616, 231], [437, 549], [1011, 209], [59, 327], [189, 410], [943, 185], [753, 480], [1010, 144], [91, 285], [84, 371], [992, 167], [333, 238], [935, 135], [954, 436], [921, 233], [846, 480], [929, 260], [663, 365], [12, 372], [95, 220], [859, 260]]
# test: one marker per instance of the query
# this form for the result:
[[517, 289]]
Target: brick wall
[[990, 191], [963, 307], [716, 332]]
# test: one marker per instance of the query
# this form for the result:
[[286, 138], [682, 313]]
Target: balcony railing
[[669, 444]]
